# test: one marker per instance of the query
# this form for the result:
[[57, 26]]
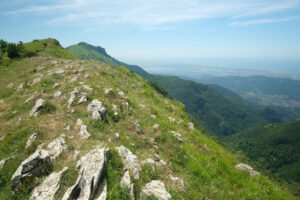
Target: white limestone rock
[[38, 106], [247, 168], [149, 161], [28, 100], [84, 134], [87, 88], [177, 182], [57, 94], [82, 97], [31, 139], [72, 96], [156, 188], [3, 162], [155, 126], [102, 192], [56, 147], [36, 80], [33, 166], [108, 90], [177, 135], [91, 167], [97, 109], [20, 87], [47, 189], [130, 161], [126, 183], [137, 126], [191, 127]]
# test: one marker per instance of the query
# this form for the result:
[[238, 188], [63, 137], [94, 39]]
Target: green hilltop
[[186, 162]]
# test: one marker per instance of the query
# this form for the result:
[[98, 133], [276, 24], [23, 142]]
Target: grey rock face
[[38, 106], [157, 189], [102, 191], [33, 166], [84, 134], [247, 168], [47, 189], [130, 161], [97, 109], [31, 139], [88, 183]]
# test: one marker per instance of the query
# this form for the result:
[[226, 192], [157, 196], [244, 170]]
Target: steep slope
[[221, 115], [275, 147], [102, 119]]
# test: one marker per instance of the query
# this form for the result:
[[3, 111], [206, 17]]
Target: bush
[[48, 107]]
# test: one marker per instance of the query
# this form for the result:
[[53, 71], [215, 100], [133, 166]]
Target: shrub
[[48, 107]]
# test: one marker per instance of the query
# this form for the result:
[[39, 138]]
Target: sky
[[166, 30]]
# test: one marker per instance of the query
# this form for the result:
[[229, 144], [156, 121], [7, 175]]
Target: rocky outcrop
[[88, 183], [247, 168], [102, 191], [97, 109], [84, 134], [108, 90], [87, 88], [82, 98], [72, 97], [130, 161], [38, 106], [149, 161], [33, 166], [56, 147], [177, 182], [157, 189], [31, 139], [47, 189]]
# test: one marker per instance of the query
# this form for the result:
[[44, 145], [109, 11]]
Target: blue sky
[[162, 29]]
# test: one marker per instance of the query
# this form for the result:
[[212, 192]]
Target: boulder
[[97, 109], [84, 134], [88, 183], [38, 106], [56, 147], [156, 188], [191, 127], [247, 168], [153, 116], [3, 162], [87, 88], [47, 189], [72, 97], [130, 161], [34, 166], [31, 139]]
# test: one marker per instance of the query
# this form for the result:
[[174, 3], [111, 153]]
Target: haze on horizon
[[254, 34]]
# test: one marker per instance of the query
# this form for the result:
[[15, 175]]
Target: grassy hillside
[[275, 147], [222, 115], [206, 168]]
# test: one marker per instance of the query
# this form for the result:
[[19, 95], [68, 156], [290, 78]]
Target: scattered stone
[[1, 101], [156, 126], [91, 167], [73, 79], [40, 68], [31, 139], [162, 163], [122, 94], [87, 88], [247, 168], [126, 183], [137, 126], [56, 85], [178, 182], [142, 105], [130, 161], [28, 100], [171, 119], [54, 62], [57, 94], [97, 109], [84, 134], [177, 135], [10, 85], [108, 90], [33, 166], [3, 162], [36, 80], [76, 154], [67, 128], [83, 97], [56, 147], [72, 97], [47, 189], [115, 109], [156, 188], [153, 116], [38, 106], [20, 87], [86, 75], [191, 127], [117, 135], [14, 112]]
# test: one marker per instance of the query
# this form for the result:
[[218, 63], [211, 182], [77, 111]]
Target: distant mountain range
[[223, 115]]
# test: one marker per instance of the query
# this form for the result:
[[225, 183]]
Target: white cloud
[[153, 14], [264, 21]]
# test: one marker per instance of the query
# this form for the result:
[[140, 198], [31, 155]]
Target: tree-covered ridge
[[275, 147]]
